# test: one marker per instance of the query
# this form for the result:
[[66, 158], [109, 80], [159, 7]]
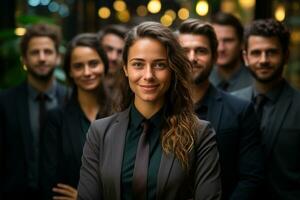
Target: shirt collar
[[273, 94], [50, 93], [136, 118]]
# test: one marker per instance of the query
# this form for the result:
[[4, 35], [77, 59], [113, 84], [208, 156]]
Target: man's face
[[197, 48], [41, 58], [265, 58], [113, 46], [229, 48]]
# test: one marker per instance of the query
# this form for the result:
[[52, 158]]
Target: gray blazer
[[282, 130], [100, 174]]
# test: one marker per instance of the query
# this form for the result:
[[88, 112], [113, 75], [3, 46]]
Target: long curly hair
[[179, 129]]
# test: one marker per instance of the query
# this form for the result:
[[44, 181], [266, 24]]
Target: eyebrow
[[141, 59]]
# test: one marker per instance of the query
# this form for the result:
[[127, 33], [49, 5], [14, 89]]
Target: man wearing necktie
[[266, 53]]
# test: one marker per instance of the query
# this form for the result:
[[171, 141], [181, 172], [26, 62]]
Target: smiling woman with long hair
[[155, 148], [85, 65]]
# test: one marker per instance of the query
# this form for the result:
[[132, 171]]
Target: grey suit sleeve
[[90, 185], [207, 168]]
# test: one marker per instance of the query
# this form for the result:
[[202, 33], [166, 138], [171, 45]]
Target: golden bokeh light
[[154, 6], [183, 13], [247, 4], [20, 31], [171, 13], [166, 20], [120, 5], [123, 16], [142, 10], [202, 8], [280, 13], [104, 12]]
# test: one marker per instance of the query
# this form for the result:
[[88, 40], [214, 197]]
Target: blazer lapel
[[164, 171], [118, 135], [23, 117], [281, 109], [214, 115], [77, 136]]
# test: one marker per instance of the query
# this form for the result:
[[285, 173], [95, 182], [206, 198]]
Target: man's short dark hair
[[197, 27], [269, 28], [115, 29], [41, 30], [228, 19]]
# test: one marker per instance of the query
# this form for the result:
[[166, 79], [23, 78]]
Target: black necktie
[[42, 98], [140, 172], [260, 101], [224, 85]]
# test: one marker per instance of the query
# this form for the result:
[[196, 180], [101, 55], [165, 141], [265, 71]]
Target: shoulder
[[244, 93], [9, 96], [235, 103], [204, 131]]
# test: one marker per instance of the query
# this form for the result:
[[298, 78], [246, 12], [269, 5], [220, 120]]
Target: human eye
[[160, 65], [137, 64], [77, 66], [94, 63], [34, 52], [255, 53], [272, 52], [49, 52], [200, 51]]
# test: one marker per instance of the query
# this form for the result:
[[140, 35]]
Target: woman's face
[[148, 71], [86, 68]]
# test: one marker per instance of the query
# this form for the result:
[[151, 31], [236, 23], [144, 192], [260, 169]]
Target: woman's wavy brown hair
[[180, 126]]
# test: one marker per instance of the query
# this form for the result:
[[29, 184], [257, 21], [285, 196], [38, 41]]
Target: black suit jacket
[[61, 149], [16, 144], [238, 140], [283, 129], [100, 174]]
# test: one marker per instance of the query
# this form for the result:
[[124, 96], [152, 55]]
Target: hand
[[66, 192]]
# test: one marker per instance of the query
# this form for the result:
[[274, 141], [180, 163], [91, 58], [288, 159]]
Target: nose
[[42, 56], [263, 57], [86, 70], [221, 45], [191, 55], [148, 73], [113, 55]]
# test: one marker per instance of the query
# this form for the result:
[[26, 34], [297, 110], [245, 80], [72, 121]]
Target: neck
[[263, 88], [89, 104], [227, 71], [199, 90], [148, 109], [40, 85]]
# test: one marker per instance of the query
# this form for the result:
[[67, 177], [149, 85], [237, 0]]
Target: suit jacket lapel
[[164, 171], [118, 134], [274, 125], [214, 115], [77, 137], [23, 117]]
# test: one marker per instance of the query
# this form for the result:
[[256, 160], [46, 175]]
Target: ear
[[125, 70], [245, 58], [23, 62]]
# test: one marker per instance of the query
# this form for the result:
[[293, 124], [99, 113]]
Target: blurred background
[[77, 16]]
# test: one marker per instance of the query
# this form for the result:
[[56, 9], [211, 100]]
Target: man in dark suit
[[233, 119], [277, 104], [22, 113], [229, 74]]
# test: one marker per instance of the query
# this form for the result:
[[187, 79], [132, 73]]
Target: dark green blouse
[[132, 137]]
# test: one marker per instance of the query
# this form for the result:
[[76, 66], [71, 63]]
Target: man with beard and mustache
[[230, 74], [112, 39], [277, 103], [233, 119], [22, 113]]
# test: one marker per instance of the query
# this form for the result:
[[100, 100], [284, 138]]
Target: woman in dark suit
[[85, 65], [176, 156]]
